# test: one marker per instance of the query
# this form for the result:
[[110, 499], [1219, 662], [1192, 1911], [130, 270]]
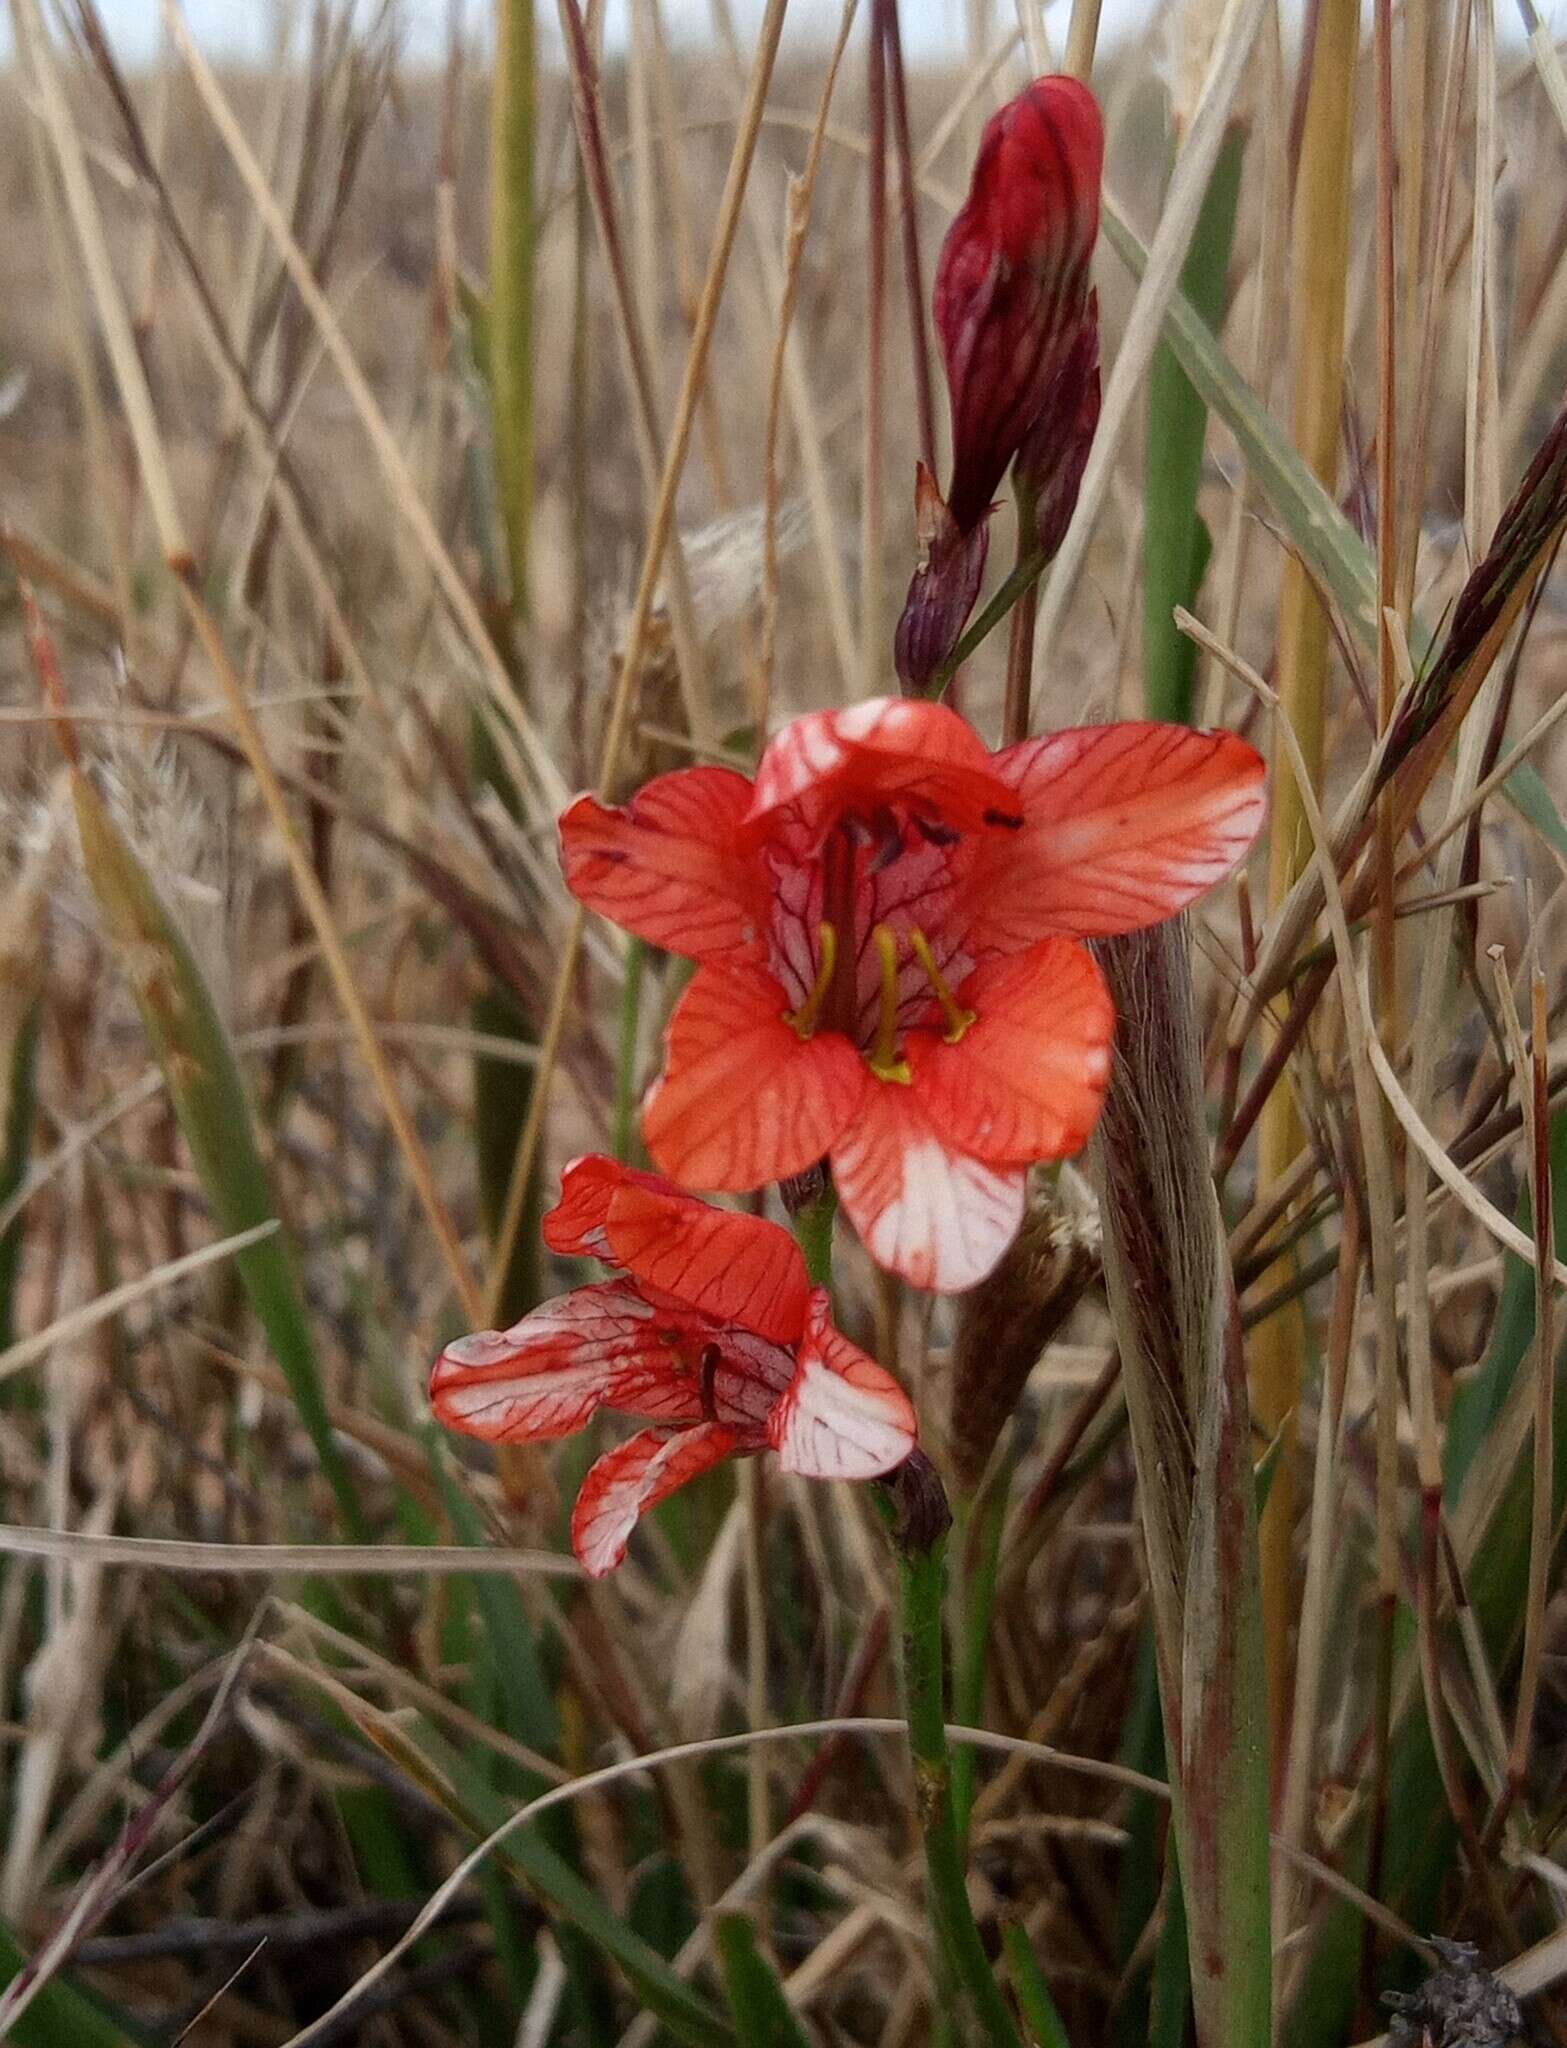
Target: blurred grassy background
[[177, 1064]]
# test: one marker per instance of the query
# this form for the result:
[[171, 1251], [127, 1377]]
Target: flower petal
[[935, 1215], [734, 1268], [886, 750], [1123, 825], [1027, 1079], [545, 1377], [842, 1416], [633, 1478], [744, 1099], [665, 865], [578, 1225]]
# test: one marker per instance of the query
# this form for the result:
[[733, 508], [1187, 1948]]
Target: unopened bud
[[1052, 459], [1012, 281]]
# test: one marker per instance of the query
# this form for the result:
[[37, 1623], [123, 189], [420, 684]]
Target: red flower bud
[[1052, 459], [1012, 284]]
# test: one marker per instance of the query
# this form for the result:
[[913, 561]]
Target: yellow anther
[[805, 1019], [884, 1061], [958, 1019]]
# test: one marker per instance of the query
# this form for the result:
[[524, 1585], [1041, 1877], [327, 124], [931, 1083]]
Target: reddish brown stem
[[908, 207]]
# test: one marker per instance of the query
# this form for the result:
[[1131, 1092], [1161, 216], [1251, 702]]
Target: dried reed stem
[[1321, 249]]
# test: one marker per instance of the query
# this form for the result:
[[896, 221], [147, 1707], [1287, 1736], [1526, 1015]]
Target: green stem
[[630, 1023], [921, 1575], [813, 1227], [1017, 699], [981, 1575], [1033, 1994]]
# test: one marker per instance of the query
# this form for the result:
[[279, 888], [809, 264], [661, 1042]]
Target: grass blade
[[1033, 1993], [190, 1044], [762, 2014], [61, 2016], [1175, 546]]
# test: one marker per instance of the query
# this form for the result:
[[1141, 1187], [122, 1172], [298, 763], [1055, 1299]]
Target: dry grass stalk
[[1184, 1375], [1320, 248], [1005, 1324], [1183, 203]]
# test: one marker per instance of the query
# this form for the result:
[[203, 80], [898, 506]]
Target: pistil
[[958, 1019], [885, 1062], [805, 1019]]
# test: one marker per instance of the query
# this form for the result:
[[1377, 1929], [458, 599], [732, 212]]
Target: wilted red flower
[[887, 926], [714, 1333], [1019, 335]]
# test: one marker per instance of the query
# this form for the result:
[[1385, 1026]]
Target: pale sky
[[243, 28], [238, 28]]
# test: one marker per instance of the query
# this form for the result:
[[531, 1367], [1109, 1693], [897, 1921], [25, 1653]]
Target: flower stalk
[[918, 1520], [813, 1206]]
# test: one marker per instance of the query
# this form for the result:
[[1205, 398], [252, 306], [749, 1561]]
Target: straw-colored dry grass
[[350, 547]]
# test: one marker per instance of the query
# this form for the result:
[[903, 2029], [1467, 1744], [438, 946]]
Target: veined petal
[[1027, 1079], [665, 865], [744, 1099], [842, 1416], [734, 1268], [578, 1225], [1123, 825], [937, 1216], [633, 1478], [599, 1347], [886, 750]]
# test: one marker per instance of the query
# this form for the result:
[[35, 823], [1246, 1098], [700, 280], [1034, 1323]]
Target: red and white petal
[[545, 1377], [665, 865], [935, 1215], [1123, 825], [632, 1479], [744, 1099], [732, 1267], [842, 1416], [1027, 1079], [578, 1225], [886, 750]]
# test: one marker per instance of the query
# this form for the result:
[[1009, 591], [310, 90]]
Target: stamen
[[884, 1061], [805, 1019], [958, 1019]]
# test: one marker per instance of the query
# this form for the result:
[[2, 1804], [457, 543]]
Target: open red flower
[[713, 1333], [886, 923]]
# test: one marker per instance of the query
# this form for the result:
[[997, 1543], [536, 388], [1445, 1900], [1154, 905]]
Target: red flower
[[1012, 282], [886, 923], [714, 1333]]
